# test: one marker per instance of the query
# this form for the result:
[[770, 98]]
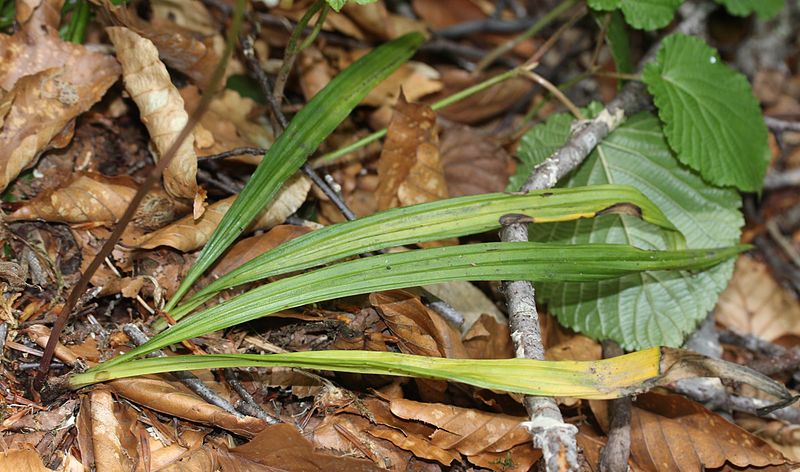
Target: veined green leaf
[[426, 222], [608, 378], [650, 308], [641, 14], [618, 43], [338, 4], [488, 261], [711, 118], [763, 8], [302, 137]]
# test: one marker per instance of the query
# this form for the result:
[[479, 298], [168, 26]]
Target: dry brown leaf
[[226, 125], [347, 434], [409, 168], [473, 164], [284, 447], [483, 105], [87, 198], [467, 299], [489, 339], [378, 21], [420, 330], [188, 234], [249, 248], [672, 433], [160, 106], [19, 460], [473, 433], [754, 303], [50, 83], [177, 46], [171, 399], [109, 453]]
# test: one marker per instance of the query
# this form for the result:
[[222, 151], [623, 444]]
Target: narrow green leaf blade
[[712, 120], [302, 137], [608, 378], [651, 308], [488, 261], [426, 222]]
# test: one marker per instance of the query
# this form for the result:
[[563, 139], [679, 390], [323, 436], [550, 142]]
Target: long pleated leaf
[[426, 222], [302, 136], [600, 379], [608, 378], [488, 261]]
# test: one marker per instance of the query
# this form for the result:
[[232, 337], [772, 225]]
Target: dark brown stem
[[614, 457]]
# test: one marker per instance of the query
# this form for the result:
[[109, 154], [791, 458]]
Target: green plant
[[644, 259]]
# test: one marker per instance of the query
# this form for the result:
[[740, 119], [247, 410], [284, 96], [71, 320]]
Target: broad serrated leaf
[[641, 14], [651, 308], [762, 8], [711, 118]]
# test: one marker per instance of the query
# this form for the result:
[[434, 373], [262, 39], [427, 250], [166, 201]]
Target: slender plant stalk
[[333, 156], [292, 48], [76, 32]]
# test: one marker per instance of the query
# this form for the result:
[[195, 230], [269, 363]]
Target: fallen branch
[[614, 457]]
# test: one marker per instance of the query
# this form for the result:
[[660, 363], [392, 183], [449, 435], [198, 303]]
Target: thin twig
[[550, 433], [777, 179], [486, 25], [187, 378], [576, 112], [292, 49], [241, 151], [778, 125], [614, 457], [248, 405], [151, 180], [535, 28]]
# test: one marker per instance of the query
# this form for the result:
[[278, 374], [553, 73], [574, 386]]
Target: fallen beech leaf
[[466, 430], [467, 299], [489, 339], [377, 20], [473, 164], [254, 246], [347, 434], [20, 460], [483, 105], [188, 234], [109, 453], [225, 125], [177, 46], [160, 106], [472, 433], [419, 331], [754, 303], [409, 168], [283, 446], [87, 198], [670, 432], [50, 82], [170, 399]]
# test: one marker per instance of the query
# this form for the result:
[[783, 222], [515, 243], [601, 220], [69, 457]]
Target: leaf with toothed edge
[[641, 14], [650, 308]]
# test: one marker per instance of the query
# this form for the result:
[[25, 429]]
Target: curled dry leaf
[[473, 164], [226, 125], [160, 106], [489, 339], [755, 303], [375, 19], [177, 46], [188, 234], [159, 395], [670, 432], [483, 105], [467, 299], [249, 248], [46, 83], [409, 168], [109, 453], [87, 198]]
